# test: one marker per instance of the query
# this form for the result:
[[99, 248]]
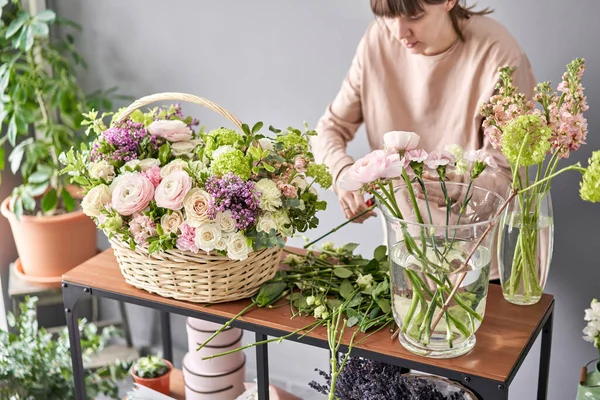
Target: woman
[[424, 66]]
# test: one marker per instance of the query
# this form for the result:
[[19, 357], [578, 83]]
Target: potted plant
[[153, 372], [40, 109], [36, 365], [589, 385]]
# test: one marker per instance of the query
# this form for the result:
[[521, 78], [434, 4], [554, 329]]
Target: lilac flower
[[230, 192], [122, 142]]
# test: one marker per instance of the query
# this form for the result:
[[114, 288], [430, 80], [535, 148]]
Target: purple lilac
[[123, 139], [231, 193]]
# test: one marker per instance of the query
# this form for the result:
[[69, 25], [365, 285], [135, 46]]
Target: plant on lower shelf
[[374, 380], [36, 365], [150, 367]]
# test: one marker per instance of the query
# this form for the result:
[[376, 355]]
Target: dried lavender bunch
[[363, 379]]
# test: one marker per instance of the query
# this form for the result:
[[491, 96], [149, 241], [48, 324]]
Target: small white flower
[[325, 315], [310, 300], [171, 222], [270, 195], [95, 199], [175, 165], [283, 222], [460, 163], [265, 144], [207, 236], [364, 281], [400, 140], [102, 170], [238, 247], [319, 311]]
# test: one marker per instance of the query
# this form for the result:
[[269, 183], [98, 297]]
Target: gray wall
[[282, 62]]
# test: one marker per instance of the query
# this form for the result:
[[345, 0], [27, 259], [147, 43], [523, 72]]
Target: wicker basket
[[183, 275]]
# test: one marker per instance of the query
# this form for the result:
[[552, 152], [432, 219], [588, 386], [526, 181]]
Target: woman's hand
[[353, 203]]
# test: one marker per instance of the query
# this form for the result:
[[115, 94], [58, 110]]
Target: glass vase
[[440, 253], [525, 245]]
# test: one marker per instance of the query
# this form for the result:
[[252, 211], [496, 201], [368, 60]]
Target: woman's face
[[427, 33]]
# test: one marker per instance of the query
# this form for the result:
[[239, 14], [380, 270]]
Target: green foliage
[[35, 365], [150, 367], [39, 93]]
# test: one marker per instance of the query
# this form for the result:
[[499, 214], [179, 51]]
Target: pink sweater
[[438, 97]]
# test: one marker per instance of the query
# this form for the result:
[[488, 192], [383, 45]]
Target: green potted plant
[[589, 383], [153, 372], [41, 106], [36, 365]]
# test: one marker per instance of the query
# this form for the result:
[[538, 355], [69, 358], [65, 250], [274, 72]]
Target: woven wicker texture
[[183, 275]]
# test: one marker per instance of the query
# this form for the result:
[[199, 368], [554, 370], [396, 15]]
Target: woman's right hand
[[353, 203]]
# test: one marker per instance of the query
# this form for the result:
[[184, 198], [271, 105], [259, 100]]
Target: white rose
[[196, 207], [270, 195], [238, 247], [184, 148], [171, 222], [102, 170], [222, 242], [222, 150], [148, 163], [175, 165], [226, 222], [130, 165], [265, 144], [95, 199], [266, 223], [300, 182], [207, 237]]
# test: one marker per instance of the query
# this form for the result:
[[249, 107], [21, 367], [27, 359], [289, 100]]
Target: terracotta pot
[[49, 246], [162, 384]]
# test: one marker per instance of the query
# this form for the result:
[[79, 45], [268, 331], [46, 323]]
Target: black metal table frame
[[485, 388]]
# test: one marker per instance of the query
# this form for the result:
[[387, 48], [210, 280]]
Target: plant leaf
[[380, 253], [12, 131], [46, 16], [39, 190], [385, 306], [68, 200], [342, 272], [16, 24], [39, 176], [50, 200], [2, 155], [257, 127], [28, 202], [346, 289]]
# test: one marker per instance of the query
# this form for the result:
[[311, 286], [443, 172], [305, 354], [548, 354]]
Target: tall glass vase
[[440, 254], [525, 246]]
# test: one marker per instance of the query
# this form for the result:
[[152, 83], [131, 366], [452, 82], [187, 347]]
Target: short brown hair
[[409, 8]]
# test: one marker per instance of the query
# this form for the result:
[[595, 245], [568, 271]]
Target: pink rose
[[172, 130], [153, 174], [172, 190], [131, 193], [375, 165], [400, 140]]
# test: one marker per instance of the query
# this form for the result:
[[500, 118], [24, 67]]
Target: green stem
[[221, 329], [575, 167], [340, 226]]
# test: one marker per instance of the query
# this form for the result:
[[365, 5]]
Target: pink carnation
[[481, 156], [153, 174], [187, 240], [288, 190], [142, 227], [435, 160]]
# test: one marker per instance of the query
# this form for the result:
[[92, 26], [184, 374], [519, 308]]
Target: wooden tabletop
[[504, 335]]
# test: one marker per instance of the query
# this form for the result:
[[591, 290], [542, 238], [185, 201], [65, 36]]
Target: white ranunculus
[[226, 222], [148, 163], [171, 222], [102, 170], [270, 195], [184, 148], [196, 208], [400, 140], [95, 199], [265, 144], [175, 165], [238, 247], [222, 150], [266, 223], [207, 236], [300, 182]]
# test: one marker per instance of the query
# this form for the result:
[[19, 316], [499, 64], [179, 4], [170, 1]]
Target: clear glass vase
[[525, 245], [440, 254]]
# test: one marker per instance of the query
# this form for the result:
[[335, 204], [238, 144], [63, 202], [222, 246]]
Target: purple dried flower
[[230, 192], [122, 142]]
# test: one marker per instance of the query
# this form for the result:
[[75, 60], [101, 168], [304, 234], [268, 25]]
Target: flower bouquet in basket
[[196, 206]]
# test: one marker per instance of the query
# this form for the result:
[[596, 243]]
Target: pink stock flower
[[300, 164], [142, 227], [400, 140], [481, 156], [375, 165], [132, 193], [172, 130], [288, 190], [172, 190], [153, 174], [187, 240]]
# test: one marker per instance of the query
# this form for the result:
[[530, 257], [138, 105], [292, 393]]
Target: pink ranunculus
[[187, 240], [481, 156], [132, 193], [172, 130], [393, 167], [153, 174], [375, 165], [400, 140], [172, 190]]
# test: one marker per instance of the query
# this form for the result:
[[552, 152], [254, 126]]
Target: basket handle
[[181, 97]]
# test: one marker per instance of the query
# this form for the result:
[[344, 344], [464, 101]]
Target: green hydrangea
[[232, 161], [221, 137], [589, 189], [532, 129], [293, 139], [321, 174]]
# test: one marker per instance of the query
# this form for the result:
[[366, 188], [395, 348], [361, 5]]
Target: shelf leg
[[262, 367]]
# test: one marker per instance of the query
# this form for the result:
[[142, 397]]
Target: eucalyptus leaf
[[352, 321], [356, 300]]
